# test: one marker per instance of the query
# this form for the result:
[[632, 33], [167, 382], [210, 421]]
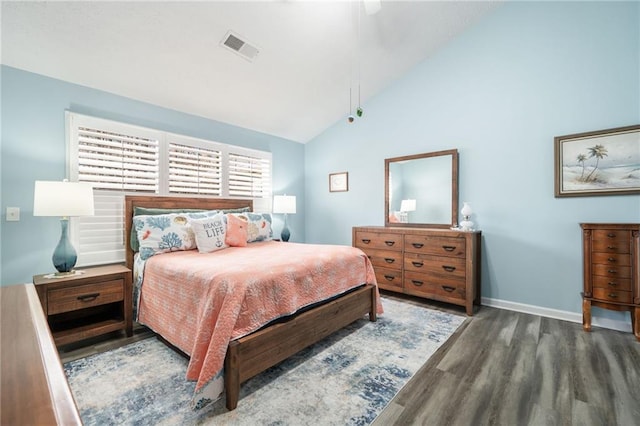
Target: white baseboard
[[557, 314]]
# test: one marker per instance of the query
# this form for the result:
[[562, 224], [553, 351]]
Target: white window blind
[[194, 170], [120, 159], [116, 161], [249, 176]]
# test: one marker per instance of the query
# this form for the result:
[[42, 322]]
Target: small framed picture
[[339, 182]]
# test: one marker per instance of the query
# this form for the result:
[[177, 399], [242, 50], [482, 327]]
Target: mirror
[[422, 190]]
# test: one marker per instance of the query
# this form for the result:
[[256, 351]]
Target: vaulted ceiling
[[311, 53]]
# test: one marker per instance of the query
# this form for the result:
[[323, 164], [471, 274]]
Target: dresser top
[[416, 230], [627, 226]]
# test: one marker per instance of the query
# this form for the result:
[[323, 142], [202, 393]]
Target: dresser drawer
[[612, 271], [611, 246], [612, 295], [84, 296], [439, 246], [389, 278], [385, 258], [611, 259], [611, 235], [428, 285], [612, 283], [437, 265], [378, 240]]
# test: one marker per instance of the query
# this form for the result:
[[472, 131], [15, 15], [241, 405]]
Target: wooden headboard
[[154, 201]]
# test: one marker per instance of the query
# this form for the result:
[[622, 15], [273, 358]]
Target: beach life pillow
[[163, 234], [210, 233], [236, 231]]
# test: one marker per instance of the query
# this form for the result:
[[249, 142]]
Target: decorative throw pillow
[[210, 233], [163, 233], [151, 211], [236, 231], [258, 226]]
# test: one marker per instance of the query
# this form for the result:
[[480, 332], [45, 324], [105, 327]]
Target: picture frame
[[339, 182], [603, 162]]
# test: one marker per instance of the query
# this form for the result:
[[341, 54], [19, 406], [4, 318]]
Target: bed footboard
[[252, 354]]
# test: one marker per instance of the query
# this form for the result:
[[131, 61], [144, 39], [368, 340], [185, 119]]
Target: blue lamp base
[[64, 256], [285, 234]]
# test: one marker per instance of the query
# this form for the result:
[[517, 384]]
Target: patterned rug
[[346, 379]]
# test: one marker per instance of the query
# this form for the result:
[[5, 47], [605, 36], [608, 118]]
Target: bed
[[253, 352]]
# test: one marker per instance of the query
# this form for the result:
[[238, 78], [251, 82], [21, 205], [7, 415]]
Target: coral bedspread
[[199, 302]]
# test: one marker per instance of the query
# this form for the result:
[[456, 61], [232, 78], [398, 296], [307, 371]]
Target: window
[[120, 159]]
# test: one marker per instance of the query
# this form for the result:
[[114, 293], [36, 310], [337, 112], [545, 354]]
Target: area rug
[[346, 379]]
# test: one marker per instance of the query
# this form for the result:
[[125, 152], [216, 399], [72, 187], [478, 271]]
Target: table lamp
[[284, 204], [64, 199]]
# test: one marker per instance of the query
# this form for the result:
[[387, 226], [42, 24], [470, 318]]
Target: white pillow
[[210, 233]]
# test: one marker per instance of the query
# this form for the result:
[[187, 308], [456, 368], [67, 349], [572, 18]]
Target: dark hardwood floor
[[504, 368], [508, 368]]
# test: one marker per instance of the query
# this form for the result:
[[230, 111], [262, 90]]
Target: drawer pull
[[448, 288], [388, 260], [612, 271], [88, 297], [389, 277], [389, 243], [449, 248], [613, 295], [417, 283], [448, 268], [611, 235], [611, 259], [612, 284], [417, 264], [611, 247], [366, 240], [417, 245]]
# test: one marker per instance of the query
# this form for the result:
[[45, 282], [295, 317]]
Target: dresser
[[611, 257], [34, 387], [437, 264]]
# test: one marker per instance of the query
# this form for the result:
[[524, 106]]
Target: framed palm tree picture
[[604, 162]]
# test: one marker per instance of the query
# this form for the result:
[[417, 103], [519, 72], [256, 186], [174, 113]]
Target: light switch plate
[[13, 214]]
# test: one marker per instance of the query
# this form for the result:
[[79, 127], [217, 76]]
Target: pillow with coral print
[[236, 231], [210, 233], [163, 234], [258, 226]]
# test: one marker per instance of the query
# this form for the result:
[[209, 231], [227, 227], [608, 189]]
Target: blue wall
[[499, 93], [33, 148]]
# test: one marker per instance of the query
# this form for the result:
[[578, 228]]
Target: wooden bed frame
[[254, 353]]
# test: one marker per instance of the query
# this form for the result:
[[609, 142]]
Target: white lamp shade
[[54, 198], [284, 204], [408, 206]]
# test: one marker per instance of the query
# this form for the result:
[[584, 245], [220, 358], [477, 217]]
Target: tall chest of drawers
[[611, 257], [438, 264]]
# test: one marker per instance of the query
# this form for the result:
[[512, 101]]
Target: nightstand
[[94, 302]]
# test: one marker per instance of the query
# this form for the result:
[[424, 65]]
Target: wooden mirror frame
[[454, 188]]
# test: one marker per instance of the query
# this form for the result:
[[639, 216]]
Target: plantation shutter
[[119, 159], [249, 176], [116, 161], [194, 170]]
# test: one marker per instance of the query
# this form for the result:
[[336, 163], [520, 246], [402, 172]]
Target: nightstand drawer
[[84, 296]]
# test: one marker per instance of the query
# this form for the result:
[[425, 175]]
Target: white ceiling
[[169, 53]]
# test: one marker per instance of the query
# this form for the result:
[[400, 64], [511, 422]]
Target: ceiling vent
[[236, 44]]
